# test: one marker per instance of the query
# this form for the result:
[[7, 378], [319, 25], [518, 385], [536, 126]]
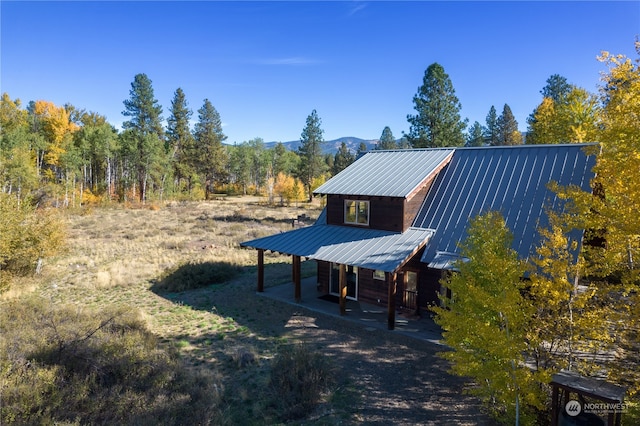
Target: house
[[393, 219]]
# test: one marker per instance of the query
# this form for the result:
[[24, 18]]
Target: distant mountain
[[331, 147]]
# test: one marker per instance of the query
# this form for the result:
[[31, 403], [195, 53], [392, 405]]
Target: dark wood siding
[[371, 290], [324, 271], [430, 287], [413, 204], [385, 213]]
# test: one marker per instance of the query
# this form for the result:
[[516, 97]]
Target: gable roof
[[366, 248], [393, 173], [468, 181], [511, 180]]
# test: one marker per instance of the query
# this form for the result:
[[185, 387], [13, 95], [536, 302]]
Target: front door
[[410, 297], [352, 281]]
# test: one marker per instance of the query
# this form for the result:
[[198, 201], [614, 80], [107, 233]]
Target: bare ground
[[116, 256], [386, 378]]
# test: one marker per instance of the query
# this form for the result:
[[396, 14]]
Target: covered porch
[[371, 317], [377, 250]]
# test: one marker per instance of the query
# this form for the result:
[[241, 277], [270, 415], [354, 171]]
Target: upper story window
[[356, 212]]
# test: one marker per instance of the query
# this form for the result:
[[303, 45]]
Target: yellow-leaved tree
[[57, 129], [569, 328], [612, 220], [287, 188], [486, 322], [27, 236]]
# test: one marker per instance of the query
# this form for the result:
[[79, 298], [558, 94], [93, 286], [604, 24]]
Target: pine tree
[[211, 157], [145, 130], [312, 161], [362, 148], [476, 135], [438, 122], [180, 141], [387, 141], [556, 89], [542, 122], [491, 129], [508, 133], [343, 159]]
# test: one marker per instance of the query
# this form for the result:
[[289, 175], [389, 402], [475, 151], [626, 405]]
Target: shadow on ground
[[386, 378]]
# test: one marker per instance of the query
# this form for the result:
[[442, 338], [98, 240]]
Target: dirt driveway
[[390, 378]]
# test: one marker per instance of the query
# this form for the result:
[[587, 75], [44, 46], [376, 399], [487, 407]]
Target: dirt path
[[387, 378]]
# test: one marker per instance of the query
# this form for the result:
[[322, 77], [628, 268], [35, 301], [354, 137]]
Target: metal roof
[[511, 180], [393, 173], [366, 248]]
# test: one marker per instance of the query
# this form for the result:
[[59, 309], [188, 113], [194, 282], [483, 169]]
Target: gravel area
[[392, 379]]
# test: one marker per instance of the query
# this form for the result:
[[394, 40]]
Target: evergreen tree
[[508, 133], [180, 141], [557, 88], [403, 143], [542, 122], [211, 157], [438, 122], [343, 158], [387, 141], [145, 130], [362, 148], [312, 161], [476, 135], [491, 129], [283, 160]]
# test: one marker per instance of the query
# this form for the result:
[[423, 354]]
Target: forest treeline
[[63, 155]]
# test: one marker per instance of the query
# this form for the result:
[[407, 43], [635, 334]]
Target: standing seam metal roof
[[366, 248], [511, 180], [393, 173]]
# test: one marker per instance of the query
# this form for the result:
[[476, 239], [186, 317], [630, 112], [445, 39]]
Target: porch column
[[391, 303], [296, 278], [343, 289], [260, 271]]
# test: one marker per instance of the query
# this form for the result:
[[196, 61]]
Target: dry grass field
[[124, 259]]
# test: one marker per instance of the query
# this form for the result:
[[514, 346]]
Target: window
[[379, 275], [356, 212]]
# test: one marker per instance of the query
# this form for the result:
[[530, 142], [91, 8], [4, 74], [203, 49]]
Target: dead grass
[[117, 256]]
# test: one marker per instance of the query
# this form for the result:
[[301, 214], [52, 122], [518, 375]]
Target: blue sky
[[266, 65]]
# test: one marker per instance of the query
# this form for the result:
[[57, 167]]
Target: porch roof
[[365, 248]]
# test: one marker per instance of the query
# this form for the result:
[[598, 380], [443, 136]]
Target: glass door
[[352, 281]]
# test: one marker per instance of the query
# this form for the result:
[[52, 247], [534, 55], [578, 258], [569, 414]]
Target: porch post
[[260, 271], [343, 289], [391, 303], [296, 278]]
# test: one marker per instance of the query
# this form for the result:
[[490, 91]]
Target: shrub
[[26, 235], [68, 365], [300, 379], [196, 275]]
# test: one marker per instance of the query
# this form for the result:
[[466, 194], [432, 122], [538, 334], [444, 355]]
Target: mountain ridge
[[331, 146]]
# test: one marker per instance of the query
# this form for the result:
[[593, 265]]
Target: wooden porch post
[[391, 303], [343, 289], [296, 278], [260, 271]]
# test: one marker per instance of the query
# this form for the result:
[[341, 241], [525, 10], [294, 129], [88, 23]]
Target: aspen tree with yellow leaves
[[485, 322]]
